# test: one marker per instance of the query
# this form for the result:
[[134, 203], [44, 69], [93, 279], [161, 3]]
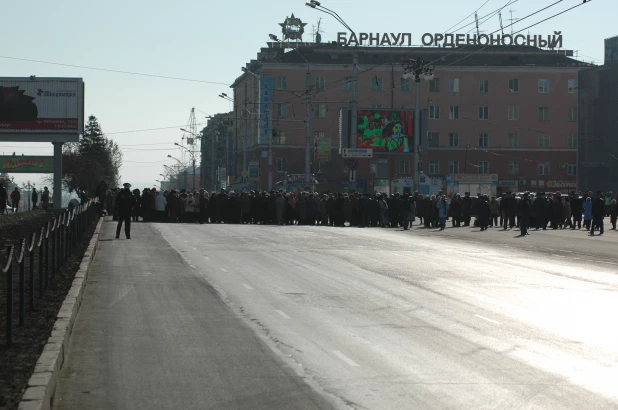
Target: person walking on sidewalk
[[125, 204]]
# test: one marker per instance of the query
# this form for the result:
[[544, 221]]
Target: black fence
[[52, 246]]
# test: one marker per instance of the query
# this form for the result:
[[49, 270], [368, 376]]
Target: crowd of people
[[509, 211], [15, 198]]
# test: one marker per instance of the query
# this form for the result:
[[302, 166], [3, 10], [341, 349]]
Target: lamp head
[[273, 37], [310, 5]]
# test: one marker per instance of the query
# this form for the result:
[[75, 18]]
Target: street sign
[[352, 163], [352, 175], [245, 173], [357, 153]]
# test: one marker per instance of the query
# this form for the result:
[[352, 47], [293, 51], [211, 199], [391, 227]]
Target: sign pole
[[57, 197]]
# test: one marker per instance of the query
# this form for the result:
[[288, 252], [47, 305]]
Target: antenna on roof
[[512, 20], [501, 25], [476, 18]]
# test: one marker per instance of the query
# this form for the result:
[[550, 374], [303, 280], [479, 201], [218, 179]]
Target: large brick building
[[509, 112]]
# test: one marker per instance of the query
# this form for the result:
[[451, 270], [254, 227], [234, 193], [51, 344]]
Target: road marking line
[[223, 269], [487, 319], [345, 358], [192, 266], [247, 286], [283, 314], [488, 276]]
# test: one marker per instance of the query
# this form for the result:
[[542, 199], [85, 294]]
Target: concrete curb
[[42, 383]]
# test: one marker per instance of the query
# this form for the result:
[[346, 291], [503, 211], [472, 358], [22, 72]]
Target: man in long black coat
[[125, 204]]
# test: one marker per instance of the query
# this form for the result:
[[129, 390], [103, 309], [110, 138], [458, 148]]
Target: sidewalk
[[152, 334]]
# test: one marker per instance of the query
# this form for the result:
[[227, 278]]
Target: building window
[[281, 165], [377, 84], [483, 86], [404, 166], [483, 140], [514, 85], [573, 86], [434, 85], [544, 114], [434, 167], [281, 138], [453, 113], [320, 111], [453, 85], [376, 106], [453, 167], [572, 114], [544, 140], [483, 113], [348, 84], [483, 167], [282, 110], [513, 167], [543, 168], [543, 86], [406, 84], [513, 112], [282, 82], [434, 139], [434, 112], [571, 169], [513, 140], [405, 107], [453, 139], [320, 83], [572, 141]]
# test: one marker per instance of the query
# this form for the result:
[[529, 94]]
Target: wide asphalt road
[[378, 318]]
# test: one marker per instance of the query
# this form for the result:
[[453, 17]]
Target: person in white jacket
[[160, 204]]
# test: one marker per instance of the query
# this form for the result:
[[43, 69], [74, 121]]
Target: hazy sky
[[210, 41]]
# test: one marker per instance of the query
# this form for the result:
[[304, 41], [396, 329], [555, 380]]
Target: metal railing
[[62, 234]]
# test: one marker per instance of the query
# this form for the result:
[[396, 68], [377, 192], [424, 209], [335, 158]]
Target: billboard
[[385, 130], [41, 106], [27, 164], [321, 149], [266, 100], [611, 49]]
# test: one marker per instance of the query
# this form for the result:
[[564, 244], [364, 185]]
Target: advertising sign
[[41, 106], [561, 184], [27, 165], [266, 100], [223, 177], [357, 153], [321, 150], [254, 171], [385, 130]]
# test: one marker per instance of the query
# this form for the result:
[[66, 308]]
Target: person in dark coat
[[35, 199], [312, 209], [3, 199], [576, 210], [483, 212], [598, 213], [466, 204], [136, 208], [125, 204], [558, 220], [456, 211], [524, 209], [365, 211]]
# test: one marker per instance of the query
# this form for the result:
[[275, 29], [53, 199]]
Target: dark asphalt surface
[[375, 318], [152, 334]]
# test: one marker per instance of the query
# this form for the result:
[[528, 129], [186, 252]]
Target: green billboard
[[27, 164]]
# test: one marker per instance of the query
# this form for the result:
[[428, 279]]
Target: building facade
[[508, 112], [598, 128]]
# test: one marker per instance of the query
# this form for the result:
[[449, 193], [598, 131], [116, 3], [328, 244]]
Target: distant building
[[508, 112], [598, 124]]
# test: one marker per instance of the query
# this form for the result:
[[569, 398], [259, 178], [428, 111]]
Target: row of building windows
[[482, 167], [405, 85], [454, 167], [544, 140], [483, 113], [544, 113]]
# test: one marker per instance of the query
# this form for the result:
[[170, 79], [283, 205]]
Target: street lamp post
[[192, 159], [466, 160], [314, 4], [177, 160], [418, 69]]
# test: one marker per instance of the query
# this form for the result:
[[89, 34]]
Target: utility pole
[[354, 98], [246, 139], [270, 162], [308, 130]]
